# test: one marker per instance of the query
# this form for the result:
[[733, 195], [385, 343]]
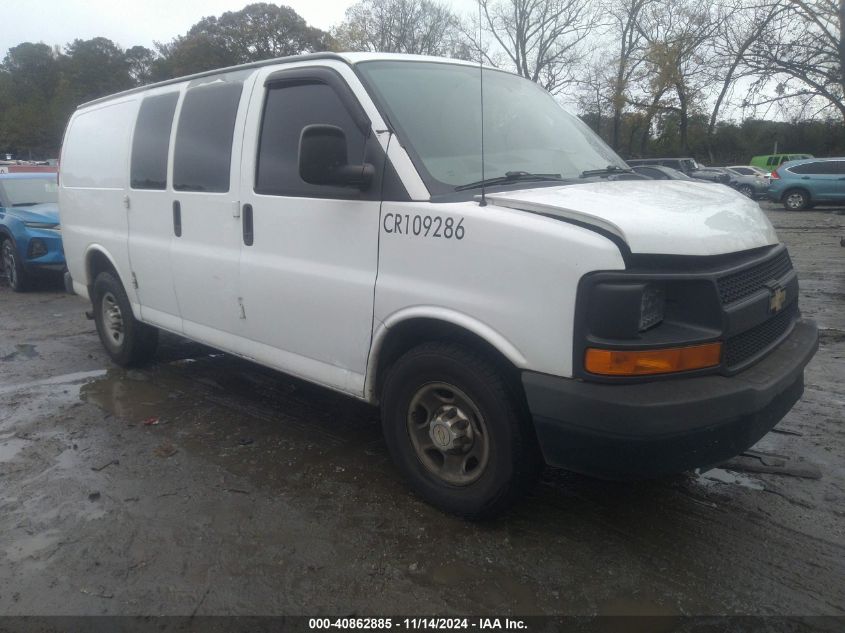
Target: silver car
[[752, 182]]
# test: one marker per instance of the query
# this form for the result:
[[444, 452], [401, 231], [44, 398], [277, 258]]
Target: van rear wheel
[[456, 429], [127, 341]]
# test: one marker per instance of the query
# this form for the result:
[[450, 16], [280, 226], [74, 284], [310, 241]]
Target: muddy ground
[[258, 494]]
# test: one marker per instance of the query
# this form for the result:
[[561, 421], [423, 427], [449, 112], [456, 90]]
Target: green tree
[[258, 31], [28, 81]]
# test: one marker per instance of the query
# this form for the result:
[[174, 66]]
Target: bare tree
[[420, 27], [742, 26], [679, 37], [628, 37], [541, 39], [803, 53]]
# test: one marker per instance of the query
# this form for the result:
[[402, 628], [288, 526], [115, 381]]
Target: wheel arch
[[98, 260], [792, 188], [407, 328]]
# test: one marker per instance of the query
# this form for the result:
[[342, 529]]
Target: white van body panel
[[206, 258], [93, 181], [656, 216], [307, 281], [150, 241], [483, 277]]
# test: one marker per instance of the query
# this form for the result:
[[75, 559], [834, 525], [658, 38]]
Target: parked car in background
[[684, 165], [773, 161], [750, 170], [30, 241], [712, 174], [803, 184], [658, 172], [748, 181]]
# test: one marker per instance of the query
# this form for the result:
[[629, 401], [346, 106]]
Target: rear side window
[[151, 142], [203, 154], [825, 168], [806, 168], [287, 110], [820, 167]]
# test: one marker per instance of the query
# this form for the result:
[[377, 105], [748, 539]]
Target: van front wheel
[[457, 431], [127, 341]]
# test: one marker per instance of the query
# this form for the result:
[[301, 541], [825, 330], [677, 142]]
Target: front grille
[[758, 339], [746, 282]]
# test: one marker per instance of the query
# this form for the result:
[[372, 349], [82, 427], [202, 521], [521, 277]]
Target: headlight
[[652, 306], [41, 225]]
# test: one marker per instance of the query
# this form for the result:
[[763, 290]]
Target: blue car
[[30, 240], [802, 184]]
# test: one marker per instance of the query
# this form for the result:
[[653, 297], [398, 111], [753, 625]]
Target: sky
[[131, 22]]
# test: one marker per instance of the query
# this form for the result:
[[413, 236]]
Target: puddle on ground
[[720, 476], [64, 379], [23, 351], [31, 545], [11, 446], [131, 396], [252, 421]]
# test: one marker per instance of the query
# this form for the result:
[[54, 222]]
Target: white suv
[[328, 215]]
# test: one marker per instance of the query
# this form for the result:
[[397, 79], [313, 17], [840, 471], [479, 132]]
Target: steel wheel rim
[[794, 200], [9, 264], [448, 433], [112, 319]]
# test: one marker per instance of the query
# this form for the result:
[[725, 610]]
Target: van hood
[[655, 216], [47, 212]]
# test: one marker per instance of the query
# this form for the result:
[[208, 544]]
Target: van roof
[[348, 58]]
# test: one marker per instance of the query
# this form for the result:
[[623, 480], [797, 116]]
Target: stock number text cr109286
[[448, 228]]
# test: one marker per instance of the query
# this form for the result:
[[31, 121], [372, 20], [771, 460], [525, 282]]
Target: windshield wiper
[[607, 171], [510, 176], [25, 204]]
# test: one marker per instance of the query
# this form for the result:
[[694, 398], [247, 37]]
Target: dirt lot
[[257, 494]]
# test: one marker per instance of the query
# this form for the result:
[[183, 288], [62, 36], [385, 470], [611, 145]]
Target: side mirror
[[323, 159]]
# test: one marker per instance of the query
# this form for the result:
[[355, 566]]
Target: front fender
[[436, 313]]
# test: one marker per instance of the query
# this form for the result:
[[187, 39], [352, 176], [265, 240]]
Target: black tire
[[796, 200], [512, 460], [747, 191], [13, 269], [137, 342]]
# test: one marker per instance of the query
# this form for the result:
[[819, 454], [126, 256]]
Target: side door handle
[[177, 218], [249, 231]]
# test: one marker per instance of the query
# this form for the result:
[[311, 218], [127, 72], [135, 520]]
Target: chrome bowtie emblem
[[777, 299]]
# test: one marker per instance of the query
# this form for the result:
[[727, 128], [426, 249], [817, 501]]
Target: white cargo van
[[327, 215]]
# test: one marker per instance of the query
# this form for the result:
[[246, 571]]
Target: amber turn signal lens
[[609, 362]]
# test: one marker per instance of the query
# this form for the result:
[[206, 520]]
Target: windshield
[[28, 191], [435, 109]]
